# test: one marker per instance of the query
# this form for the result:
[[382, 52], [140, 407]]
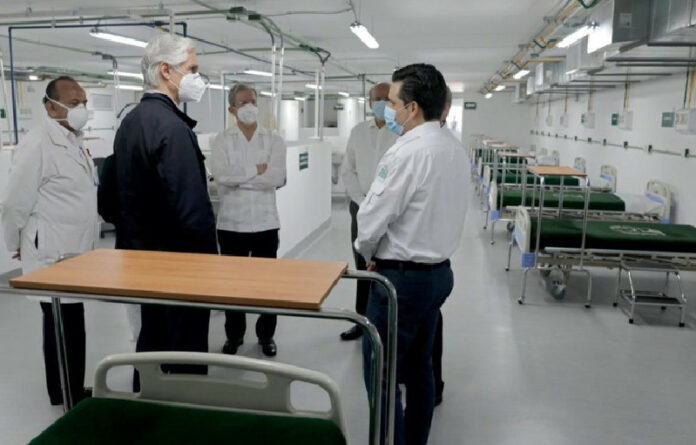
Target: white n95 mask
[[191, 88], [248, 113], [77, 116]]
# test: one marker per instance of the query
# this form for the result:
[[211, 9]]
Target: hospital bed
[[548, 242], [250, 403], [295, 288], [652, 206]]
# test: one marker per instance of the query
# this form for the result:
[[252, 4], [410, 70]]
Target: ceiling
[[468, 40]]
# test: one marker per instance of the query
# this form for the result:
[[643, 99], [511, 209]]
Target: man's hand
[[371, 266], [261, 168], [17, 255]]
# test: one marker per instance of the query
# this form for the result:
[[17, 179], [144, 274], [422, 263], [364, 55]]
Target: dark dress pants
[[363, 286], [74, 331], [256, 244]]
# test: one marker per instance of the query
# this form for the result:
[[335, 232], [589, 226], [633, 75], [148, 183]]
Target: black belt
[[409, 265]]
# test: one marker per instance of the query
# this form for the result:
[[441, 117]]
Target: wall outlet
[[588, 119], [685, 121], [626, 120]]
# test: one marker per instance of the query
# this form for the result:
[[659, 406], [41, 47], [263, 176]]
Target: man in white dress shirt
[[248, 163], [409, 225], [368, 141]]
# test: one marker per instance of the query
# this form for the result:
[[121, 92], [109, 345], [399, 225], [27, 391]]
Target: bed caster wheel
[[492, 243], [558, 291], [615, 304], [510, 227], [507, 269], [663, 308], [588, 306], [520, 301], [630, 321], [681, 325]]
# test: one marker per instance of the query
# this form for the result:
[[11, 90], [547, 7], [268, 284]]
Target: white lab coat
[[49, 207]]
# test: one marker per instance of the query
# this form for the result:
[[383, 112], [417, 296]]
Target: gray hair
[[163, 48], [238, 88]]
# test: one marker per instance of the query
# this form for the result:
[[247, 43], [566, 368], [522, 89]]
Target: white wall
[[304, 204], [635, 167], [289, 120], [497, 117]]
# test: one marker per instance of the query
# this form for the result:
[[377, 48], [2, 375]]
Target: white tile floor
[[548, 372]]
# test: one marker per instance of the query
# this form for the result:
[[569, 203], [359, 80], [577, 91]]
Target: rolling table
[[257, 285]]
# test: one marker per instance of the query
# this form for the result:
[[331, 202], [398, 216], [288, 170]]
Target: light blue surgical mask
[[378, 109], [390, 119]]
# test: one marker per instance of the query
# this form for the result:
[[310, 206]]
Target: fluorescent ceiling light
[[126, 74], [312, 86], [364, 35], [258, 73], [33, 77], [301, 99], [215, 86], [361, 100], [266, 93], [488, 95], [117, 38], [344, 94], [130, 87], [574, 37], [499, 88], [520, 74]]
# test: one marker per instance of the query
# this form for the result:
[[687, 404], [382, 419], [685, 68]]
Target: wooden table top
[[544, 170], [287, 284]]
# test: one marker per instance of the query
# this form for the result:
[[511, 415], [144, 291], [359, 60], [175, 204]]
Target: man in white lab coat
[[248, 164], [409, 225], [49, 209], [368, 141]]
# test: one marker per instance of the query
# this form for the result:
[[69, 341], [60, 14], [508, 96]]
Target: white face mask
[[191, 88], [248, 113], [77, 117]]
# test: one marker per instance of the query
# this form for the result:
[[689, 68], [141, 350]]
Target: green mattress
[[612, 235], [512, 178], [125, 422], [571, 200]]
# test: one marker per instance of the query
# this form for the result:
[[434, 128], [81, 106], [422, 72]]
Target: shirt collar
[[64, 131], [259, 130], [421, 130], [159, 96]]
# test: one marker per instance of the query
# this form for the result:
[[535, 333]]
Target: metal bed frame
[[377, 430]]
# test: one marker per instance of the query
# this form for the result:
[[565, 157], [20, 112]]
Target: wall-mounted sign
[[338, 107], [469, 105], [668, 119], [614, 119], [304, 160]]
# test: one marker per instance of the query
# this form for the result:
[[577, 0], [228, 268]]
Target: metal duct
[[619, 23], [672, 23]]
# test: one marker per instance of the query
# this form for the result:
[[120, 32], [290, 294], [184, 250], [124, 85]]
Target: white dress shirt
[[366, 146], [247, 199], [416, 206]]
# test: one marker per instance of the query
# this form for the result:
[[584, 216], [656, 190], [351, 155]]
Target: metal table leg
[[61, 351]]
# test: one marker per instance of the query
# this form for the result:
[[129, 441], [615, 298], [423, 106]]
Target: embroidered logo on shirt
[[382, 172]]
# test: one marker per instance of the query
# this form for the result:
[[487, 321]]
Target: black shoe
[[269, 348], [353, 333], [230, 347]]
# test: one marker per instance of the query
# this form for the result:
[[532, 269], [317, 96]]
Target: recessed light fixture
[[266, 93], [344, 94], [116, 38], [488, 95], [499, 88], [126, 74], [129, 87], [312, 86], [258, 73], [364, 35], [301, 99], [520, 74]]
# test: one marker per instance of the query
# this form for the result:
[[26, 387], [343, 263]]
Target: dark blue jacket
[[162, 196]]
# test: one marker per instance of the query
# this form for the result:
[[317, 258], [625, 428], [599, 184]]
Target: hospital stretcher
[[253, 406], [263, 286], [568, 244]]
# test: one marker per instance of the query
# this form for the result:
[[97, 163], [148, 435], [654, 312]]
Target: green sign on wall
[[304, 160], [469, 105], [614, 119], [668, 119], [338, 107]]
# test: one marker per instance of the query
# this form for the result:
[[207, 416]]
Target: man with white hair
[[162, 196]]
